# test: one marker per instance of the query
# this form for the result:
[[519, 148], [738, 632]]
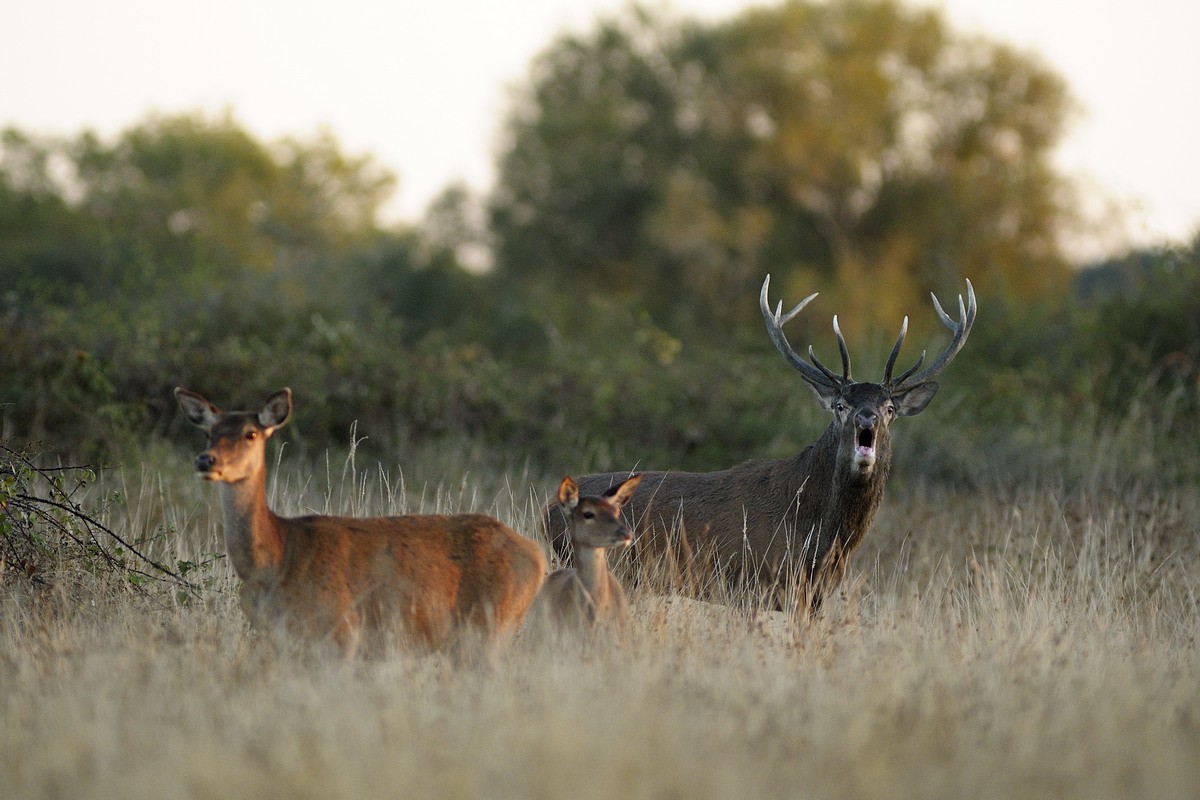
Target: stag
[[785, 528]]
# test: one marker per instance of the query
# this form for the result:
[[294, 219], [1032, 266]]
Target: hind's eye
[[251, 436], [589, 515]]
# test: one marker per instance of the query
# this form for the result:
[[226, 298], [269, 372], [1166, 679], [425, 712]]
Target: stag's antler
[[815, 373], [961, 329], [821, 377]]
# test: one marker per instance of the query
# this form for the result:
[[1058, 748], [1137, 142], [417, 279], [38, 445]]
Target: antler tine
[[779, 317], [961, 329], [817, 375], [842, 347], [830, 374], [891, 362], [899, 381], [799, 307]]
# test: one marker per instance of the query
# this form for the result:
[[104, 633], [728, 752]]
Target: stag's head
[[863, 412], [236, 439]]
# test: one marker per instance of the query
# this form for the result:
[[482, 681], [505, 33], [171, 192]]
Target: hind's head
[[236, 439]]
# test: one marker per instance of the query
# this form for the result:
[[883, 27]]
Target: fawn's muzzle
[[624, 537], [205, 462]]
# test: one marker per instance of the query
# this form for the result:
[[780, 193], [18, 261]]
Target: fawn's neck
[[592, 569], [254, 536]]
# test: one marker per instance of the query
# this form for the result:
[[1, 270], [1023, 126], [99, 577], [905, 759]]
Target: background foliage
[[653, 171]]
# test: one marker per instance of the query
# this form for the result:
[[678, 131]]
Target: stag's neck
[[254, 536], [592, 569], [823, 480], [813, 471], [854, 503], [854, 498]]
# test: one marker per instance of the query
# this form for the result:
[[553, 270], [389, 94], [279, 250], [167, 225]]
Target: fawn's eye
[[589, 515], [251, 436]]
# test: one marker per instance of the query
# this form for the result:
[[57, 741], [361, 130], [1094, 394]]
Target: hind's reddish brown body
[[430, 581]]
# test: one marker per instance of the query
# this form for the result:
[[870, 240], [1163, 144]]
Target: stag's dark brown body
[[788, 525], [769, 524]]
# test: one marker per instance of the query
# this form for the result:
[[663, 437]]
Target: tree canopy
[[179, 198], [855, 146]]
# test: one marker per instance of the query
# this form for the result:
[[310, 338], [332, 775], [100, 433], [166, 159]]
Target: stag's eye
[[890, 409], [840, 407]]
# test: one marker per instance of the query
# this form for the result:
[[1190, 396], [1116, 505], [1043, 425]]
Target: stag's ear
[[621, 493], [826, 395], [568, 494], [198, 411], [914, 400], [276, 411]]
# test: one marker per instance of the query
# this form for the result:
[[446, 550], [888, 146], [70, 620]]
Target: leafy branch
[[43, 525]]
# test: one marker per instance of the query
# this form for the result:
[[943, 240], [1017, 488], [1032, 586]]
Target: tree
[[855, 145], [588, 153], [182, 198]]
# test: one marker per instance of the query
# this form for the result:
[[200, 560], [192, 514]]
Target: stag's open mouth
[[864, 450]]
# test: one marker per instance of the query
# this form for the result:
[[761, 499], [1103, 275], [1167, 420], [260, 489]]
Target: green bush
[[1032, 384]]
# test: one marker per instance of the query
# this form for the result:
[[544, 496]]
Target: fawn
[[588, 597], [426, 581]]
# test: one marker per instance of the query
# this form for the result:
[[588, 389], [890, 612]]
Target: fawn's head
[[236, 439], [595, 521], [864, 411]]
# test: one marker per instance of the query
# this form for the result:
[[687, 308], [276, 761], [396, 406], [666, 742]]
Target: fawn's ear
[[568, 494], [621, 493], [277, 410], [198, 411]]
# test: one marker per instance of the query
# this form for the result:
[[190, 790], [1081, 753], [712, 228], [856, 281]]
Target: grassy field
[[1007, 639]]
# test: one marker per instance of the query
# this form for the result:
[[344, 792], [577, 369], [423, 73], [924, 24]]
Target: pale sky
[[423, 87]]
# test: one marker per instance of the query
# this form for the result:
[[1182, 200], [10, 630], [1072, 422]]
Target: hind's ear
[[198, 411], [277, 411], [568, 493], [621, 493]]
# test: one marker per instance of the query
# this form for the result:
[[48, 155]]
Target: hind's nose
[[205, 462]]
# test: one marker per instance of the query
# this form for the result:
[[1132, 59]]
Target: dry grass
[[1032, 642]]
